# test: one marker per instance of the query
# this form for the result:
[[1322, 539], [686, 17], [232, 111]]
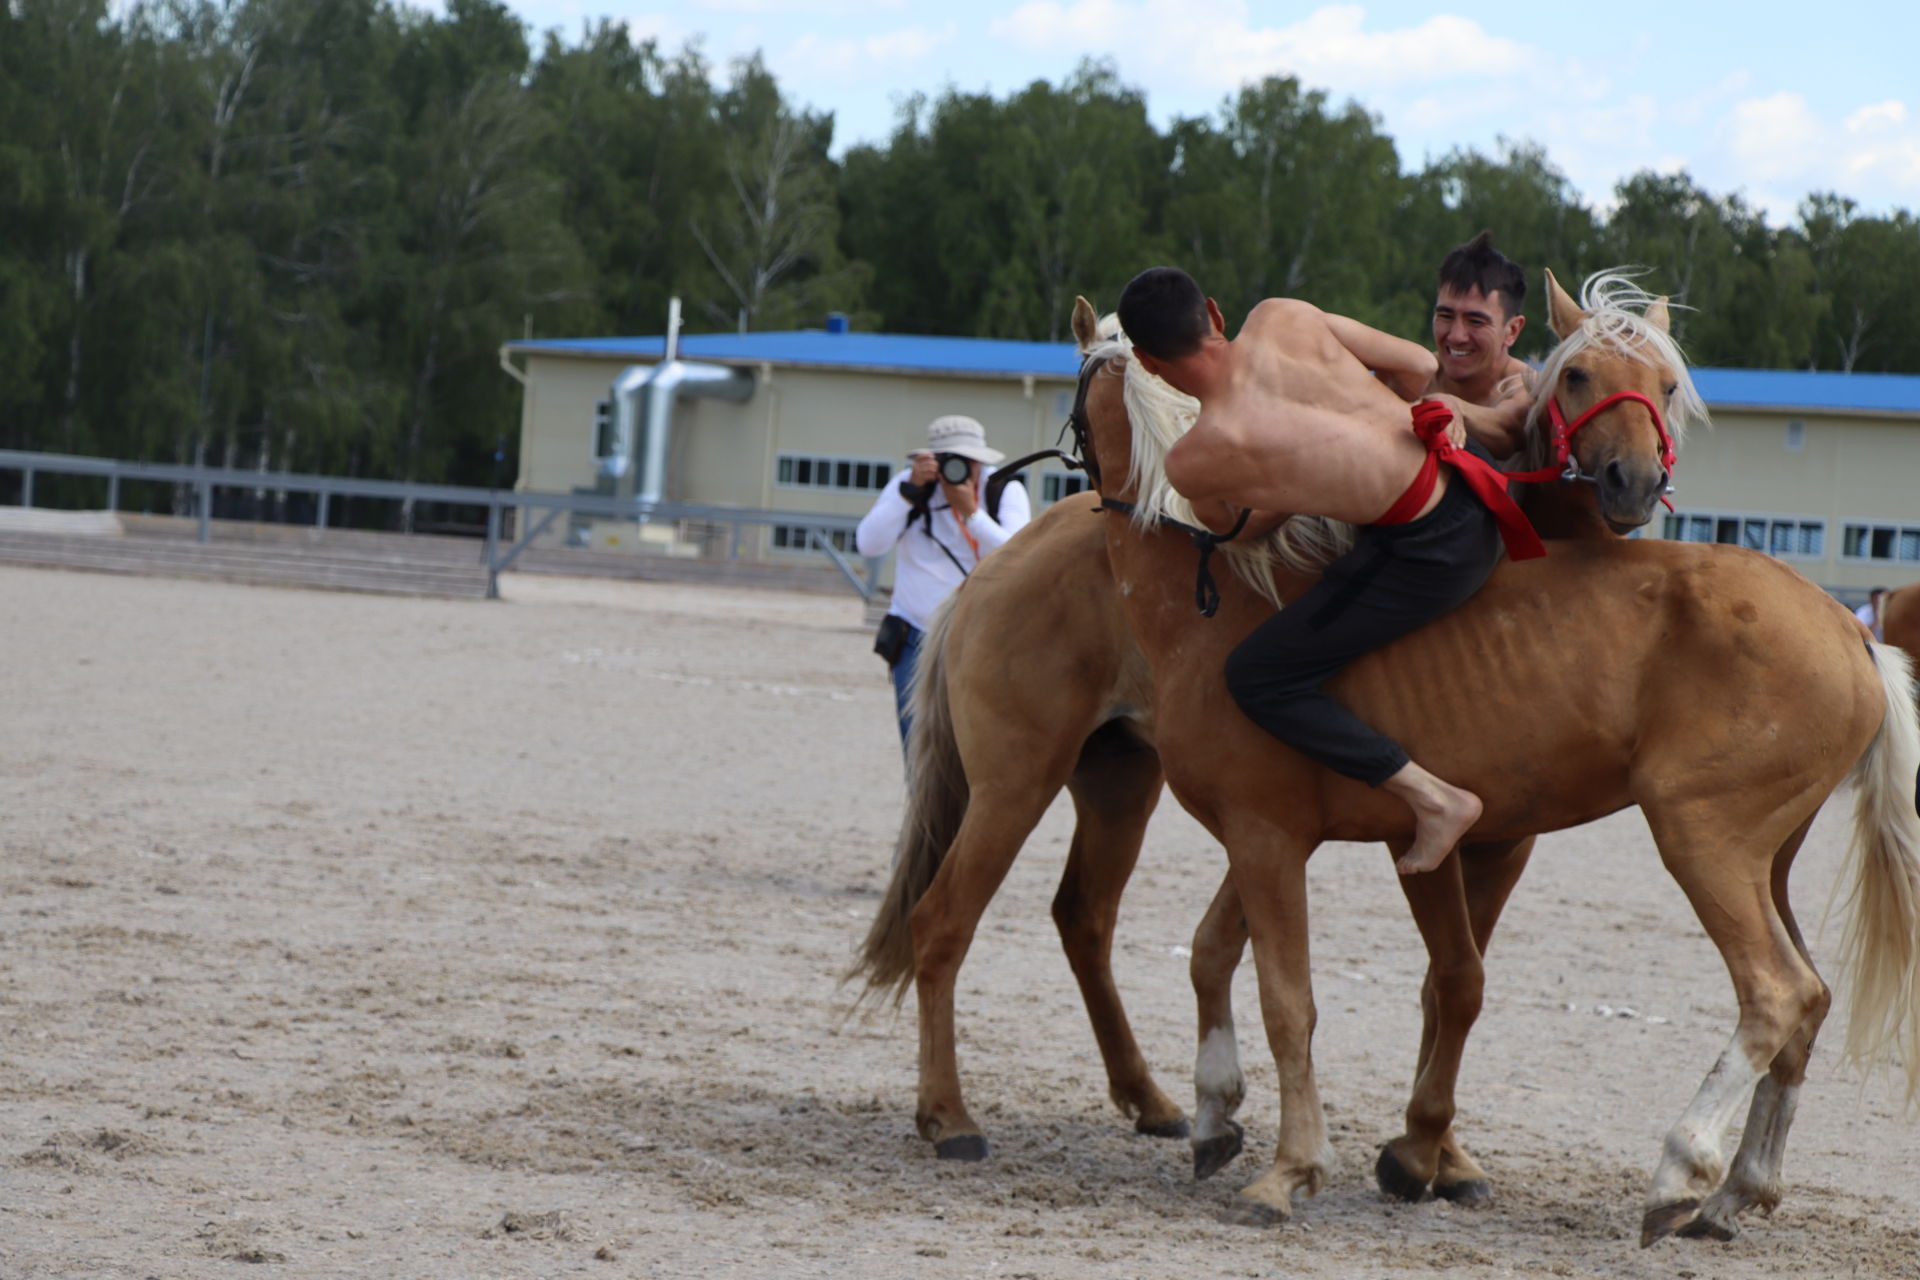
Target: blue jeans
[[902, 673]]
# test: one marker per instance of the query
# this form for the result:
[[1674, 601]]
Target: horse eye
[[1577, 377], [1671, 388]]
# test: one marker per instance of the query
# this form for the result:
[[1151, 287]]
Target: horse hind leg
[[1115, 789], [998, 820], [1779, 995], [1753, 1180]]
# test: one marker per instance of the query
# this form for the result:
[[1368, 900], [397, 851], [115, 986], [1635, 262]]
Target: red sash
[[1488, 482]]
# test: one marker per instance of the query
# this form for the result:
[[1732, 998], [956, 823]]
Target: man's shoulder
[[1281, 311]]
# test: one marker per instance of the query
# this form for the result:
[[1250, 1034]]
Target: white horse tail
[[936, 802], [1880, 948]]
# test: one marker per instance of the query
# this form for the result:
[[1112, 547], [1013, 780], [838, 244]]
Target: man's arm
[[1499, 428], [1407, 367]]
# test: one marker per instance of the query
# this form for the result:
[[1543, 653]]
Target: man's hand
[[926, 469], [1456, 429], [960, 498]]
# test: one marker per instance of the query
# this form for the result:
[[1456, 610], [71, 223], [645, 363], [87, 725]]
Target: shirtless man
[[1307, 413]]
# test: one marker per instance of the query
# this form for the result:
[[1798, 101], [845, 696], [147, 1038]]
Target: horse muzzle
[[1626, 493]]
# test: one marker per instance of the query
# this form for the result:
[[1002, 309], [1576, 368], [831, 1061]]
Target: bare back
[[1300, 425]]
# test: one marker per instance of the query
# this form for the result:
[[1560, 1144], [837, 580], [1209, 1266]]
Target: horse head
[[1100, 343], [1614, 398]]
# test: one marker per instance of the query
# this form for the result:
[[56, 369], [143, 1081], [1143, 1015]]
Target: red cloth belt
[[1488, 482]]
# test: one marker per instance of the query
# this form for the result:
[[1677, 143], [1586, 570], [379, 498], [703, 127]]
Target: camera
[[954, 469]]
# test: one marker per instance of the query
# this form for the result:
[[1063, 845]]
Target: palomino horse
[[1715, 688], [996, 740]]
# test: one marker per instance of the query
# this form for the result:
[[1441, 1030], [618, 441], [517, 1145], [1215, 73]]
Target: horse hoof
[[1469, 1192], [1394, 1178], [1707, 1227], [970, 1147], [1174, 1128], [1242, 1212], [1211, 1155], [1666, 1219]]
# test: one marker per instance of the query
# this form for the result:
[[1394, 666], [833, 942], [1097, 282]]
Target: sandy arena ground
[[399, 938]]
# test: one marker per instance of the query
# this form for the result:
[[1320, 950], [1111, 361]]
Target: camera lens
[[955, 469]]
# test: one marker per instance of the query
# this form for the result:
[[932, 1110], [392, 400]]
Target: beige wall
[[725, 453], [1845, 470]]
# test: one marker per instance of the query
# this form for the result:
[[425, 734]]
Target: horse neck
[[1563, 509]]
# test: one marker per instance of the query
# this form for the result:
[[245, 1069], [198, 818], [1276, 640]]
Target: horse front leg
[[1273, 891], [1218, 1085], [1115, 790], [1451, 1000]]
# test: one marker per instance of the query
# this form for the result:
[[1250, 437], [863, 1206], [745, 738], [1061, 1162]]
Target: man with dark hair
[[1476, 321], [1306, 413]]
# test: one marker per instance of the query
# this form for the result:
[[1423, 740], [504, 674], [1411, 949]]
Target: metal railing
[[203, 482]]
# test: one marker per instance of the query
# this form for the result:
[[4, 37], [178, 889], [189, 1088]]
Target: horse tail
[[1880, 948], [936, 802]]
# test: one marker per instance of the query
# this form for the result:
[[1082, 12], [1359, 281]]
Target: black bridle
[[1206, 592]]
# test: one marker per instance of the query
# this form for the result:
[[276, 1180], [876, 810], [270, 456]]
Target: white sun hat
[[957, 433]]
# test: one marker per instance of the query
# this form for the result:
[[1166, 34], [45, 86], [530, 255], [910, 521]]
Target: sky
[[1765, 99]]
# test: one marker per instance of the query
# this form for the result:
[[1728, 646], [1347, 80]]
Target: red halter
[[1565, 467]]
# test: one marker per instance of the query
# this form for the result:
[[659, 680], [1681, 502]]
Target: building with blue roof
[[1817, 468]]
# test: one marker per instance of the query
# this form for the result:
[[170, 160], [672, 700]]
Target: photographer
[[936, 512]]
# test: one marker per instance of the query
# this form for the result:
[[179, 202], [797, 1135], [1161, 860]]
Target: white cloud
[[1218, 47], [820, 55], [1871, 154], [1890, 114], [800, 8]]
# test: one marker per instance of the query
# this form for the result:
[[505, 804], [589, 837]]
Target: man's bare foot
[[1442, 813]]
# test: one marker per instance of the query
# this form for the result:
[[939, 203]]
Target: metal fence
[[719, 527]]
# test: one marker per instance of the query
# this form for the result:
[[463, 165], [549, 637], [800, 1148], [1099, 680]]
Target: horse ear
[[1086, 324], [1563, 313], [1657, 314]]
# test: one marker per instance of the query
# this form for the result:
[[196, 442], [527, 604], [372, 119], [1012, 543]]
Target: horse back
[[1603, 675]]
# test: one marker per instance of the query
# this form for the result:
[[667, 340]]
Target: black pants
[[1395, 578]]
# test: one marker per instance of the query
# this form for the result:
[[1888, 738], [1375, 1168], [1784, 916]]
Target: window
[[848, 475], [1891, 542], [1055, 485], [1788, 537], [801, 537], [1796, 435]]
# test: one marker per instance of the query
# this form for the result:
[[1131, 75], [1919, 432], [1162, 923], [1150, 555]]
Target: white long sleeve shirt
[[923, 575]]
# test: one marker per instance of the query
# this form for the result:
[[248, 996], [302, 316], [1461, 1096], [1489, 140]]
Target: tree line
[[292, 234]]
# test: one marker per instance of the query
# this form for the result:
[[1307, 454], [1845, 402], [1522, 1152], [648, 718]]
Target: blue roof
[[1888, 393], [891, 352], [1774, 389]]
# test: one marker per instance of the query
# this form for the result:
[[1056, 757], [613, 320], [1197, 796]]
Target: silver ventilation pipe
[[638, 426]]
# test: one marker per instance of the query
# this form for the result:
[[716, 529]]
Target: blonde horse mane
[[1160, 415], [1616, 322]]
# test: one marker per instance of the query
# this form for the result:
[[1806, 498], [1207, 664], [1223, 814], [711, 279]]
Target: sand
[[354, 936]]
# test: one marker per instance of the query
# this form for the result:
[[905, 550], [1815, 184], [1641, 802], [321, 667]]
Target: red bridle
[[1565, 467]]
